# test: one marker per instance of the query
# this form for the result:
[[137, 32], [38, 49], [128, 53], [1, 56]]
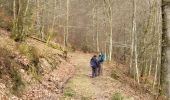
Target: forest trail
[[82, 87]]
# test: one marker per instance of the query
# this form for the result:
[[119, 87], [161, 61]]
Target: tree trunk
[[53, 23], [110, 15], [38, 17], [24, 18], [14, 9], [150, 66], [67, 28], [110, 39], [165, 60], [134, 45], [156, 69], [97, 32]]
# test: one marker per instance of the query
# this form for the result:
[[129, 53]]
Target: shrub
[[4, 61], [117, 96], [86, 49], [69, 92], [56, 46], [5, 23], [18, 84], [9, 68], [32, 55], [114, 75]]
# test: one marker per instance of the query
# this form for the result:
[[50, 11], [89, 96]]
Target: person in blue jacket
[[101, 59], [94, 65]]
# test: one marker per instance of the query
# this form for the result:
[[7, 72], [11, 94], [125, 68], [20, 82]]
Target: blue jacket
[[94, 62], [101, 58]]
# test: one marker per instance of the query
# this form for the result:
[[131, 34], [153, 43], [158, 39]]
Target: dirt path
[[82, 87]]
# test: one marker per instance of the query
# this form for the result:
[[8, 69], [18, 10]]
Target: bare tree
[[67, 25], [110, 17]]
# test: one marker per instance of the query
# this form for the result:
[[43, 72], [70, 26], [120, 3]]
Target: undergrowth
[[69, 92], [114, 75], [9, 72], [117, 96], [18, 84], [32, 55]]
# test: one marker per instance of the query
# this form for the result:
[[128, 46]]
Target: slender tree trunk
[[14, 21], [14, 9], [110, 39], [26, 9], [152, 23], [105, 31], [94, 23], [165, 65], [97, 32], [38, 17], [150, 66], [132, 49], [136, 41], [64, 37], [134, 53], [53, 23], [24, 17], [156, 69], [60, 6], [108, 6], [54, 15], [67, 28], [136, 61]]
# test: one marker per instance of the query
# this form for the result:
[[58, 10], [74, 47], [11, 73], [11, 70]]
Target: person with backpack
[[101, 59], [94, 65]]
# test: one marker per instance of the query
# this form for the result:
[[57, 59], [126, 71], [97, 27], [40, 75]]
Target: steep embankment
[[82, 87], [31, 70]]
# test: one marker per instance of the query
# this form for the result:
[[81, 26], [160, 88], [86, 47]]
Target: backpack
[[92, 62]]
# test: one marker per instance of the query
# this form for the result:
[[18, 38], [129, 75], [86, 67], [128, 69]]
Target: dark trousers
[[94, 72], [99, 71]]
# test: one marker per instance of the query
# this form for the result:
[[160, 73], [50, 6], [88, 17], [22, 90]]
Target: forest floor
[[43, 82], [82, 87]]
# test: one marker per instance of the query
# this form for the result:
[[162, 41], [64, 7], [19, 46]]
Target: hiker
[[94, 65], [101, 59]]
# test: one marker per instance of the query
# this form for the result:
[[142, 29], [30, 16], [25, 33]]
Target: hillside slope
[[36, 71]]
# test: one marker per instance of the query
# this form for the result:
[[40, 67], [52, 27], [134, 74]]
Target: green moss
[[68, 92], [117, 96]]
